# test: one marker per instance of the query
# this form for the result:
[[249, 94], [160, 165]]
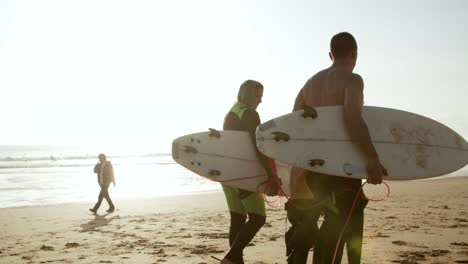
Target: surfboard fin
[[215, 173], [214, 133], [190, 149], [278, 136], [315, 162], [309, 112]]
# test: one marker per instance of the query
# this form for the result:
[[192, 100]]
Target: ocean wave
[[74, 157], [55, 165]]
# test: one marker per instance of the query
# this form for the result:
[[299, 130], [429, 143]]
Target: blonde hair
[[247, 91]]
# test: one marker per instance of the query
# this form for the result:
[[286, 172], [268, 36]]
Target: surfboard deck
[[410, 146], [228, 157]]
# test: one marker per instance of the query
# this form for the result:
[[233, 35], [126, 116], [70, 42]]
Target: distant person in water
[[242, 203], [105, 175]]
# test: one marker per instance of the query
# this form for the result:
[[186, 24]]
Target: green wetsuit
[[243, 118]]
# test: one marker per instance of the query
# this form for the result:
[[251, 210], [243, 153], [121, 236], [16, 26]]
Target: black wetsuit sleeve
[[251, 121]]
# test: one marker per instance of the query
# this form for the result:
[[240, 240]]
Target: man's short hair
[[342, 44]]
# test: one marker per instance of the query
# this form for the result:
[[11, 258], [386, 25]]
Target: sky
[[138, 74]]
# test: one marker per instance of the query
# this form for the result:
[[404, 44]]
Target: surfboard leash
[[282, 193], [351, 213], [275, 185]]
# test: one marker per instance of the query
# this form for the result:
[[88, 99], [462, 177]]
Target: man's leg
[[108, 199], [290, 214], [100, 198], [328, 240], [354, 236], [303, 218]]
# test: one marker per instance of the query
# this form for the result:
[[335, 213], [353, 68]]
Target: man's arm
[[97, 168], [299, 103], [358, 131]]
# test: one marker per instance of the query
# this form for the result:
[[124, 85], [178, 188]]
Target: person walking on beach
[[105, 175], [241, 203], [338, 85]]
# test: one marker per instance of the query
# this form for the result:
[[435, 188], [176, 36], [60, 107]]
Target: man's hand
[[375, 172], [271, 187]]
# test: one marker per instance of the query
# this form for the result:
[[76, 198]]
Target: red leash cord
[[276, 185], [351, 213]]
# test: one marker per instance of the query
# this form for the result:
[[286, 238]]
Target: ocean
[[45, 175]]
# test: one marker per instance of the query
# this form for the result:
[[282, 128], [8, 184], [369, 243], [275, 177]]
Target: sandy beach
[[422, 222]]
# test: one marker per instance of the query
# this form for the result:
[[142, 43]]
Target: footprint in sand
[[415, 256], [463, 244], [214, 235], [72, 245], [137, 220], [274, 238], [439, 252], [47, 248], [400, 243], [379, 234], [204, 250], [410, 257]]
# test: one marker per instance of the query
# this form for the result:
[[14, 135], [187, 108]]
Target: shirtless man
[[338, 85]]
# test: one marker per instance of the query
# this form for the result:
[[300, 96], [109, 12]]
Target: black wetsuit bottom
[[343, 191]]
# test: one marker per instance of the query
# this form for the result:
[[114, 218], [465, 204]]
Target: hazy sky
[[141, 73]]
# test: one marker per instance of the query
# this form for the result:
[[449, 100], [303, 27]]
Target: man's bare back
[[328, 88], [338, 85]]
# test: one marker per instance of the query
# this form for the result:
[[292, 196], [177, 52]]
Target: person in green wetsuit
[[242, 203]]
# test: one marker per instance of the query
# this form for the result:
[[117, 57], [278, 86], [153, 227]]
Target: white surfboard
[[228, 157], [410, 146]]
